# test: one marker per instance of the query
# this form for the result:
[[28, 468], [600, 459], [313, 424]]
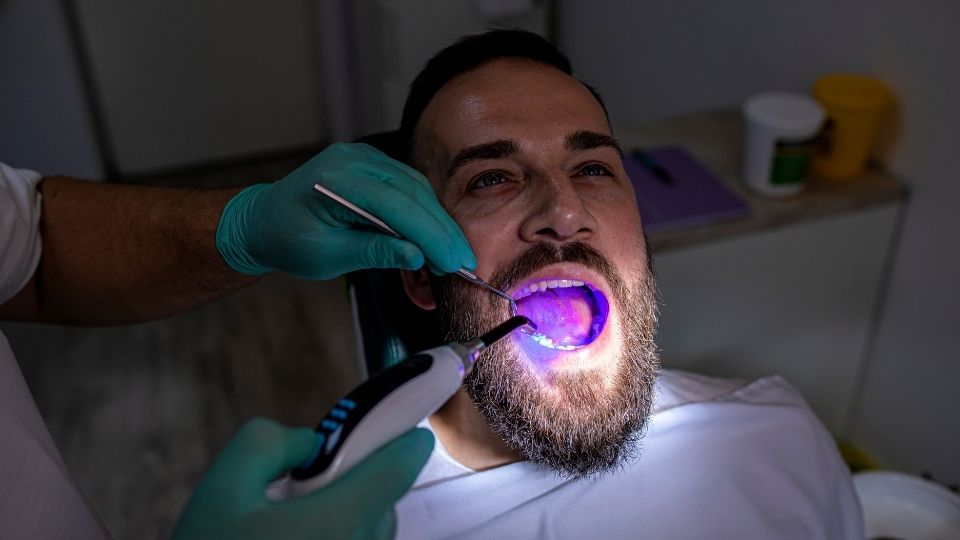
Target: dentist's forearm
[[115, 254]]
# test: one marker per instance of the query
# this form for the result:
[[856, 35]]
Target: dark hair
[[469, 53]]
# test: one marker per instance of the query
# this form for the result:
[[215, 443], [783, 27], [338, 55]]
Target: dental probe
[[384, 407], [378, 223]]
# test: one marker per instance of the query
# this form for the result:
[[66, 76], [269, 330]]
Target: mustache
[[542, 255]]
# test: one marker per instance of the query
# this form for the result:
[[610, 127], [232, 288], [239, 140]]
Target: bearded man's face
[[521, 156], [577, 421]]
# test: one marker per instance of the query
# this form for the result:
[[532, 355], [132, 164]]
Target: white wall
[[395, 38], [910, 410], [44, 122], [654, 59], [794, 301], [183, 82]]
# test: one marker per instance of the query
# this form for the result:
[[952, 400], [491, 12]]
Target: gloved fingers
[[440, 243], [260, 452], [393, 468], [384, 168], [363, 182], [417, 188], [385, 528], [364, 161], [428, 201], [357, 157], [400, 176], [384, 476], [372, 154], [376, 250]]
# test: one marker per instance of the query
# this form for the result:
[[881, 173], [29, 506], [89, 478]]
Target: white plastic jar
[[781, 131]]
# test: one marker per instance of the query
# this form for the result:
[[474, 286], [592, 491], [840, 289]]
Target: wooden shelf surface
[[716, 139]]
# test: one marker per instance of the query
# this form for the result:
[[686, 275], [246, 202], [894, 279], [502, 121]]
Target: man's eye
[[488, 180], [595, 169]]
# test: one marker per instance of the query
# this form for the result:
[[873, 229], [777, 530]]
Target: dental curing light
[[383, 408]]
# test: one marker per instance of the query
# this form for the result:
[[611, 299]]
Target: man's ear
[[417, 286]]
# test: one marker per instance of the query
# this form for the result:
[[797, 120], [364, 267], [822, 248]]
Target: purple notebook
[[674, 191]]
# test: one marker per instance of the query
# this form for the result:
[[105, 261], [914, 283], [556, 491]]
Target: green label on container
[[791, 162]]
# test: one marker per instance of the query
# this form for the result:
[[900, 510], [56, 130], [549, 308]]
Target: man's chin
[[578, 411], [575, 416]]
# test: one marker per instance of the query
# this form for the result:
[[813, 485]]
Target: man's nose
[[559, 214]]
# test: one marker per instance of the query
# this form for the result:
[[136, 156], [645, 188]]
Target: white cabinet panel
[[183, 82], [797, 301], [395, 38], [45, 123]]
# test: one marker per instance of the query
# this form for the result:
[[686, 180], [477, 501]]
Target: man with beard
[[572, 432]]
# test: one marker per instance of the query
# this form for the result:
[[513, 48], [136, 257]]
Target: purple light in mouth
[[569, 314]]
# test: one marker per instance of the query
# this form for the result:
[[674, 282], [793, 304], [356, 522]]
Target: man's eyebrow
[[588, 140], [491, 150]]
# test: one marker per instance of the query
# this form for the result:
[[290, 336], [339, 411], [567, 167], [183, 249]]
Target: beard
[[577, 423]]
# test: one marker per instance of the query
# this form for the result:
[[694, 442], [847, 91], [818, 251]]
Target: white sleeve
[[19, 229]]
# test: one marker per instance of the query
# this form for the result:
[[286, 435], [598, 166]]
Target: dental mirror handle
[[383, 227], [384, 407]]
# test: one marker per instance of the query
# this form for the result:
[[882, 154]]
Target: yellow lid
[[851, 91]]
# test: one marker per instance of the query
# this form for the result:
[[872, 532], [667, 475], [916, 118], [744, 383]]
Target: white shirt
[[720, 459], [38, 496]]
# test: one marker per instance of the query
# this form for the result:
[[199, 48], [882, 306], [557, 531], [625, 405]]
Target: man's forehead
[[508, 100]]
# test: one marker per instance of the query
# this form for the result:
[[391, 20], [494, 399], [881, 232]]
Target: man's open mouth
[[569, 314]]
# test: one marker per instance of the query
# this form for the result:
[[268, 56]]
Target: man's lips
[[568, 309]]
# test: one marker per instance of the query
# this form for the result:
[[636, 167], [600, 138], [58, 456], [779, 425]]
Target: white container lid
[[898, 505], [790, 115]]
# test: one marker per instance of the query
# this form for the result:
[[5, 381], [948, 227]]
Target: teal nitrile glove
[[290, 227], [231, 500]]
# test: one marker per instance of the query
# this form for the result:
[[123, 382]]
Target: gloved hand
[[290, 227], [230, 501]]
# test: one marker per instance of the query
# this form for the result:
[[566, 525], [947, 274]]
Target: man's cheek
[[487, 239], [622, 234]]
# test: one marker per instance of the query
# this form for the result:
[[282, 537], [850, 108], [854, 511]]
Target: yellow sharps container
[[854, 106]]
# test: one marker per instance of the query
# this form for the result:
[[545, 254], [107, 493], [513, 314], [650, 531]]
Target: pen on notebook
[[662, 174]]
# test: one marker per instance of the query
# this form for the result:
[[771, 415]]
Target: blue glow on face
[[569, 314]]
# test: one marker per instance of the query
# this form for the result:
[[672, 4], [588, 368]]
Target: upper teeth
[[546, 284]]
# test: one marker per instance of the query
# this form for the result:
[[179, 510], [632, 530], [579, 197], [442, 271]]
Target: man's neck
[[467, 437]]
